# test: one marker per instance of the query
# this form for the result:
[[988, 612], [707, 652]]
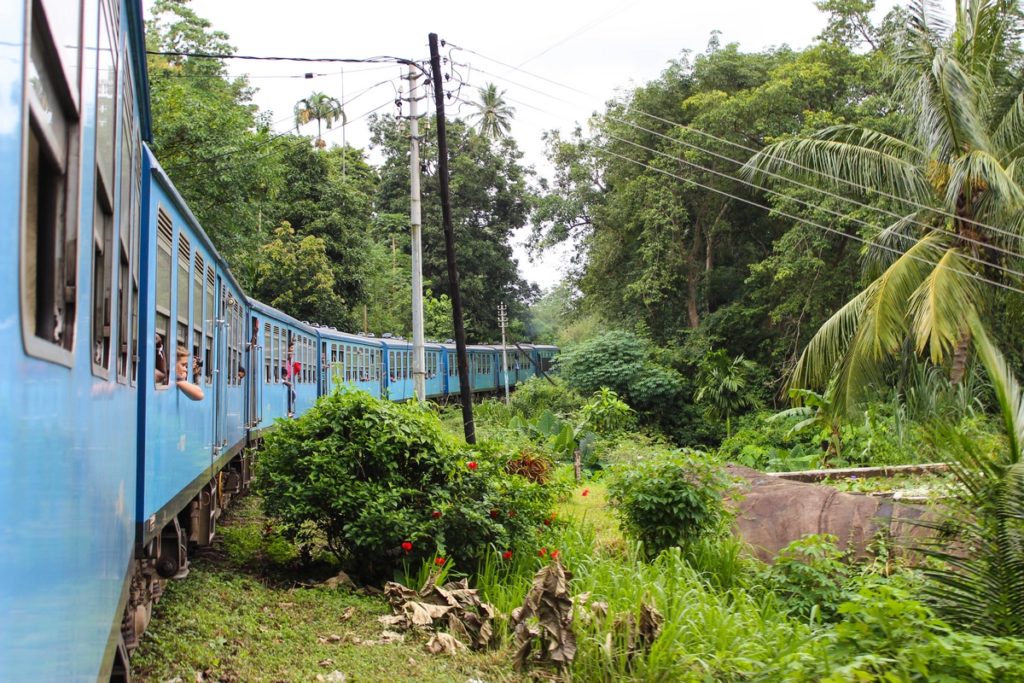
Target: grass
[[593, 509], [225, 623]]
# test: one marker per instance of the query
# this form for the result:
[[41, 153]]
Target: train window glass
[[165, 233], [126, 222], [136, 257], [267, 346], [64, 19], [184, 254], [106, 105], [277, 354], [102, 255], [208, 322], [198, 277], [51, 180]]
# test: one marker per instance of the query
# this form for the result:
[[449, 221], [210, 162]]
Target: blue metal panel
[[67, 454]]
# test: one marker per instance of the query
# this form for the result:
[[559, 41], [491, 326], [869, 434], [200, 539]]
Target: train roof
[[396, 342], [331, 333], [278, 315]]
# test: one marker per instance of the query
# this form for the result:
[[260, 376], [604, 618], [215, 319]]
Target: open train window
[[164, 240], [103, 248], [198, 277], [102, 266], [51, 179], [208, 323], [277, 354], [184, 258], [267, 349]]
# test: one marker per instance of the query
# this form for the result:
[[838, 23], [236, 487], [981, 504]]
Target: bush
[[622, 362], [383, 483], [537, 395], [810, 577], [672, 498]]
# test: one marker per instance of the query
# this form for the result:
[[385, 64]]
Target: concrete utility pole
[[419, 372], [465, 379], [503, 323]]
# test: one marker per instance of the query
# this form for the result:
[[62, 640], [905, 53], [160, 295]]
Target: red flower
[[439, 561], [494, 514], [406, 546], [542, 552], [471, 464], [436, 514], [585, 492], [507, 555], [554, 554], [511, 513], [547, 522]]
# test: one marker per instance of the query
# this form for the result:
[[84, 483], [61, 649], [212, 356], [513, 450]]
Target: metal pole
[[418, 354], [503, 322], [465, 379]]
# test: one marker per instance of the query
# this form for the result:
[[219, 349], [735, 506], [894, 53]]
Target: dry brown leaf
[[348, 613], [443, 643]]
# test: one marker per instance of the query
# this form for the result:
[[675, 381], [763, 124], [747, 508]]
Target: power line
[[264, 58], [815, 224], [793, 164]]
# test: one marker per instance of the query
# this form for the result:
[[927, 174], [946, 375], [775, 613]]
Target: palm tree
[[493, 116], [323, 108], [959, 170], [722, 384], [818, 412]]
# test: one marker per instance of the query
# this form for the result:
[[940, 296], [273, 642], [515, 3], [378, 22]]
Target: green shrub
[[537, 395], [810, 577], [622, 362], [605, 414], [671, 498], [372, 475], [887, 635]]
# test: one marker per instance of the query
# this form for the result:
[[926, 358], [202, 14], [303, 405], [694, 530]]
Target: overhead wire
[[790, 163], [777, 211]]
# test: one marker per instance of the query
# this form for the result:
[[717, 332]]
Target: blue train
[[135, 369]]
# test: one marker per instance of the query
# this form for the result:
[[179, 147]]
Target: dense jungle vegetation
[[787, 259]]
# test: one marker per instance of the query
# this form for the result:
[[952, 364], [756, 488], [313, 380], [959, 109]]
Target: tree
[[206, 131], [294, 275], [723, 384], [494, 115], [490, 199], [323, 109], [949, 176]]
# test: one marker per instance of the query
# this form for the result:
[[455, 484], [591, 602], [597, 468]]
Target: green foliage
[[371, 475], [810, 577], [536, 395], [605, 414], [294, 274], [620, 361], [723, 385], [886, 635], [671, 498]]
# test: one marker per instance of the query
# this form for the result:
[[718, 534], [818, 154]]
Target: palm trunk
[[959, 367]]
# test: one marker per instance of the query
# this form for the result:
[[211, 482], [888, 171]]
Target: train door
[[254, 384], [220, 373]]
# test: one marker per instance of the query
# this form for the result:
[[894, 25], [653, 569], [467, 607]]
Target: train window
[[164, 236], [184, 254], [208, 323], [198, 275], [267, 345], [277, 354], [51, 181], [102, 236], [136, 247]]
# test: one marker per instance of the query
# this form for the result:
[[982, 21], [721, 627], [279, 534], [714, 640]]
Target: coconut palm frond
[[840, 156], [979, 171], [887, 245], [1005, 387], [829, 344], [890, 307], [940, 307], [947, 108], [1008, 137]]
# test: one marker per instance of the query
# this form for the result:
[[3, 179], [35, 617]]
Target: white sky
[[587, 50]]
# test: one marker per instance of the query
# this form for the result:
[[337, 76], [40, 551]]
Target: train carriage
[[283, 365], [350, 360], [75, 114], [398, 369]]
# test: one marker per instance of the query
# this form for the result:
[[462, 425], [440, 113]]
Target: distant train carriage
[[544, 356], [284, 372], [399, 379], [350, 360]]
